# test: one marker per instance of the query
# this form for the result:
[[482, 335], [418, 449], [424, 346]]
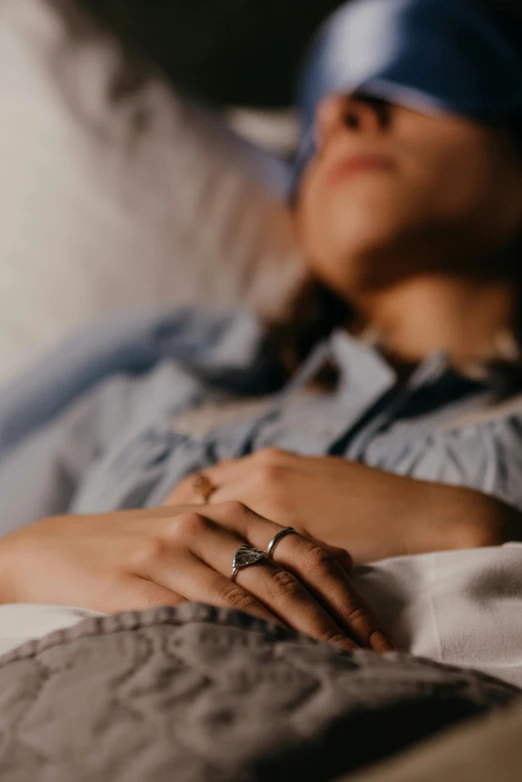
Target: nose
[[353, 113]]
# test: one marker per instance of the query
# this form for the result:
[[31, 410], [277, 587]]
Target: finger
[[239, 490], [312, 564], [230, 470], [198, 582], [235, 513], [283, 592], [243, 492], [238, 469], [185, 492], [331, 584], [279, 590], [342, 556]]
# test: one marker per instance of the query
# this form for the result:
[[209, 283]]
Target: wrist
[[465, 519], [492, 522]]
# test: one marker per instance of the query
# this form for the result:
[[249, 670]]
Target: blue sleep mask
[[453, 56]]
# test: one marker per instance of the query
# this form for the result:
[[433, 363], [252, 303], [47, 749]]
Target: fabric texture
[[116, 194], [93, 425], [198, 693], [455, 607]]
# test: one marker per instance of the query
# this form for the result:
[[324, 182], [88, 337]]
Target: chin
[[367, 213], [358, 251], [353, 232]]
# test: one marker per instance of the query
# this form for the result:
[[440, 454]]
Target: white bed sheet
[[459, 607]]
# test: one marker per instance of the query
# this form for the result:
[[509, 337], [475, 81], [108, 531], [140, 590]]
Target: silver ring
[[278, 537], [244, 557]]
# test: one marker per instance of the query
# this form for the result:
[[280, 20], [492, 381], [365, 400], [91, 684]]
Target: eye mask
[[434, 56]]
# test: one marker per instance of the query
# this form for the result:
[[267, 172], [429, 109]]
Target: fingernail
[[381, 642]]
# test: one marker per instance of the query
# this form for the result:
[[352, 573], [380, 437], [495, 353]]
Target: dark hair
[[313, 314]]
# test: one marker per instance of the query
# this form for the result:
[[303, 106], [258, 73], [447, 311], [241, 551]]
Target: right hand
[[138, 559]]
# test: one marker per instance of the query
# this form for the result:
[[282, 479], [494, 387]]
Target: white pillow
[[111, 203]]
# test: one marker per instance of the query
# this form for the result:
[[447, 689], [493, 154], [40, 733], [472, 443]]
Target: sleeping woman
[[254, 464]]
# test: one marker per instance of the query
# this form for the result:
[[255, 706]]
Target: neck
[[470, 321]]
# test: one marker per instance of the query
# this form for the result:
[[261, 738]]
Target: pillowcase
[[117, 194]]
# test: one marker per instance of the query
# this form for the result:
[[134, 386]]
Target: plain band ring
[[277, 538], [244, 557]]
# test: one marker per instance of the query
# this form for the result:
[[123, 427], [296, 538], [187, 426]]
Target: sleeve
[[61, 417], [125, 344], [486, 457], [39, 476]]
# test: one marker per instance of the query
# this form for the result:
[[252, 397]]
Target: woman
[[408, 205]]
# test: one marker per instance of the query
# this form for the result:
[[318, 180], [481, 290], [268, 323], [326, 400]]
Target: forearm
[[460, 518], [404, 517]]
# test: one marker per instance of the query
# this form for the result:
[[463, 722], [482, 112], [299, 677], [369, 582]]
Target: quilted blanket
[[197, 693]]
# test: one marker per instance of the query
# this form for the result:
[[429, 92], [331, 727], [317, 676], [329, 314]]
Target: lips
[[359, 164]]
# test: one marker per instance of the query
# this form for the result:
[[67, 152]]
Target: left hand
[[372, 514]]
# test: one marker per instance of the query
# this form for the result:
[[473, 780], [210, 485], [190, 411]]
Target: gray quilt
[[196, 693]]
